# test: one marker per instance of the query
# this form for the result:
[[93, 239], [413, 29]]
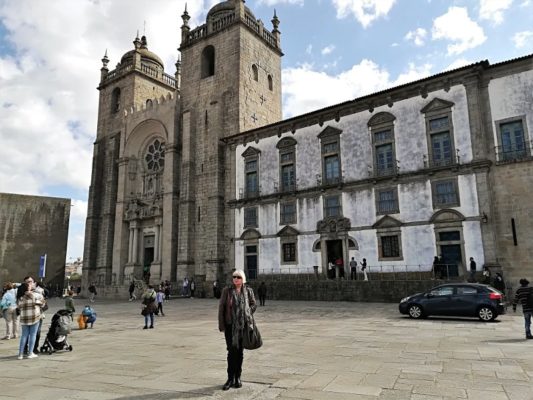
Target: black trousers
[[262, 298], [235, 355]]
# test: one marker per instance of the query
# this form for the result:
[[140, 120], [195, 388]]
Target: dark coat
[[224, 306]]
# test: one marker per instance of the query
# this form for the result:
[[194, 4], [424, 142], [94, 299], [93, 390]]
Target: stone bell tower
[[230, 82]]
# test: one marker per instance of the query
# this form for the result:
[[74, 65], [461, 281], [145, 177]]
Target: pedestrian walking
[[216, 289], [149, 306], [160, 298], [524, 296], [92, 291], [363, 269], [131, 290], [472, 270], [185, 287], [262, 292], [29, 304], [499, 283], [192, 287], [353, 269], [236, 306], [8, 306], [486, 275], [167, 291]]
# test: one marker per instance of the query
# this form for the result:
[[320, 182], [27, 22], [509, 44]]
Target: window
[[449, 236], [512, 141], [270, 83], [332, 206], [250, 217], [115, 100], [208, 62], [252, 189], [287, 166], [439, 131], [255, 72], [387, 201], [287, 213], [445, 193], [466, 290], [289, 252], [390, 246], [331, 156], [442, 291], [382, 130], [155, 156]]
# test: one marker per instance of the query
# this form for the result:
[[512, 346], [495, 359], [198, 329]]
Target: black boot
[[237, 383], [228, 384]]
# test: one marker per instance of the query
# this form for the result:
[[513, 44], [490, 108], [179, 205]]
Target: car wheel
[[486, 314], [415, 311]]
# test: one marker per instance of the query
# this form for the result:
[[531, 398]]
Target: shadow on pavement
[[196, 393], [514, 340]]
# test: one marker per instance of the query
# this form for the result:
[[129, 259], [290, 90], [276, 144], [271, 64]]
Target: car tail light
[[495, 296]]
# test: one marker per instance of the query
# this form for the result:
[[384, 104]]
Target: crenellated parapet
[[151, 108]]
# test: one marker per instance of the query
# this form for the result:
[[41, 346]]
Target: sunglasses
[[237, 277]]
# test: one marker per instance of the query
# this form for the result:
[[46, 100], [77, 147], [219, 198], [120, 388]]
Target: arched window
[[208, 62], [115, 100], [149, 103], [255, 72], [270, 84]]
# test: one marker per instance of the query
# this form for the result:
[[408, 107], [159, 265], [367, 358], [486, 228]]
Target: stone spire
[[275, 30], [178, 73], [104, 70], [185, 28]]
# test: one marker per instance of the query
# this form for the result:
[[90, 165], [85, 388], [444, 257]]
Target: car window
[[466, 290], [442, 291]]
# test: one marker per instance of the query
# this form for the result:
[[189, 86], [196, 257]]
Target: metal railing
[[373, 272], [513, 152]]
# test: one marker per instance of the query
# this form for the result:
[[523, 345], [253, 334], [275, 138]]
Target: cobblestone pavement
[[311, 350]]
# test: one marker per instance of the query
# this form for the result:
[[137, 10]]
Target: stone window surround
[[380, 122], [115, 100], [451, 227], [434, 193], [328, 195], [270, 82], [255, 73], [208, 61], [246, 219], [392, 231], [517, 118], [286, 146], [438, 108], [327, 136], [288, 240], [386, 189], [291, 221], [251, 154]]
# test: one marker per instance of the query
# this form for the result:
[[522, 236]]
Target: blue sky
[[335, 50]]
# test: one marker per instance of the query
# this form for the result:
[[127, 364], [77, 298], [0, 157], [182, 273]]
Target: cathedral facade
[[197, 173]]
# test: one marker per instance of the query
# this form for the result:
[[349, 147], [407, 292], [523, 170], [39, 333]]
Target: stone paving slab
[[311, 350]]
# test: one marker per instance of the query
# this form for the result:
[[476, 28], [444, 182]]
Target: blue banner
[[42, 267]]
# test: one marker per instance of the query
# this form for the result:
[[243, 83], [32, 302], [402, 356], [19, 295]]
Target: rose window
[[155, 156]]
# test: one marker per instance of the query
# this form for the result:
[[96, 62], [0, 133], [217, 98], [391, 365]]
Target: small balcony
[[513, 152]]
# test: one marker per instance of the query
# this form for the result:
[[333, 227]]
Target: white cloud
[[457, 27], [300, 96], [309, 49], [327, 50], [492, 10], [365, 11], [418, 36], [460, 62], [521, 38]]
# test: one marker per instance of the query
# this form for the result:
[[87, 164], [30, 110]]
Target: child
[[69, 303], [160, 297], [89, 313]]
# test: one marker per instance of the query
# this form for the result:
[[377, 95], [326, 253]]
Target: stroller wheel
[[69, 348]]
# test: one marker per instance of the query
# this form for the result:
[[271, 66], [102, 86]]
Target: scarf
[[241, 315]]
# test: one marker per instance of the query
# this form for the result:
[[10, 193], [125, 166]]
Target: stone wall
[[31, 226]]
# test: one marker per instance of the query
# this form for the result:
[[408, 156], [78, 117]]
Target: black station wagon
[[457, 299]]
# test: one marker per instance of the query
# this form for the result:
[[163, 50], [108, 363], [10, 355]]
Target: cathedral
[[197, 173]]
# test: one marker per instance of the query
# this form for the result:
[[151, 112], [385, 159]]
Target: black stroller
[[56, 338]]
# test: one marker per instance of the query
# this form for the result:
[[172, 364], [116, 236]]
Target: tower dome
[[226, 7], [146, 55]]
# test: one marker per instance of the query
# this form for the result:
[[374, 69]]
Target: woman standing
[[237, 304], [29, 303], [149, 306], [8, 305]]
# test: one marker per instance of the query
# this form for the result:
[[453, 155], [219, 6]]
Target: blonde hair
[[241, 273]]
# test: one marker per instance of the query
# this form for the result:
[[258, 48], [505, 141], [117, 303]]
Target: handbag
[[251, 337]]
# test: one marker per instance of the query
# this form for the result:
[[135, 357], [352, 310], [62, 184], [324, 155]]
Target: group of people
[[188, 288]]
